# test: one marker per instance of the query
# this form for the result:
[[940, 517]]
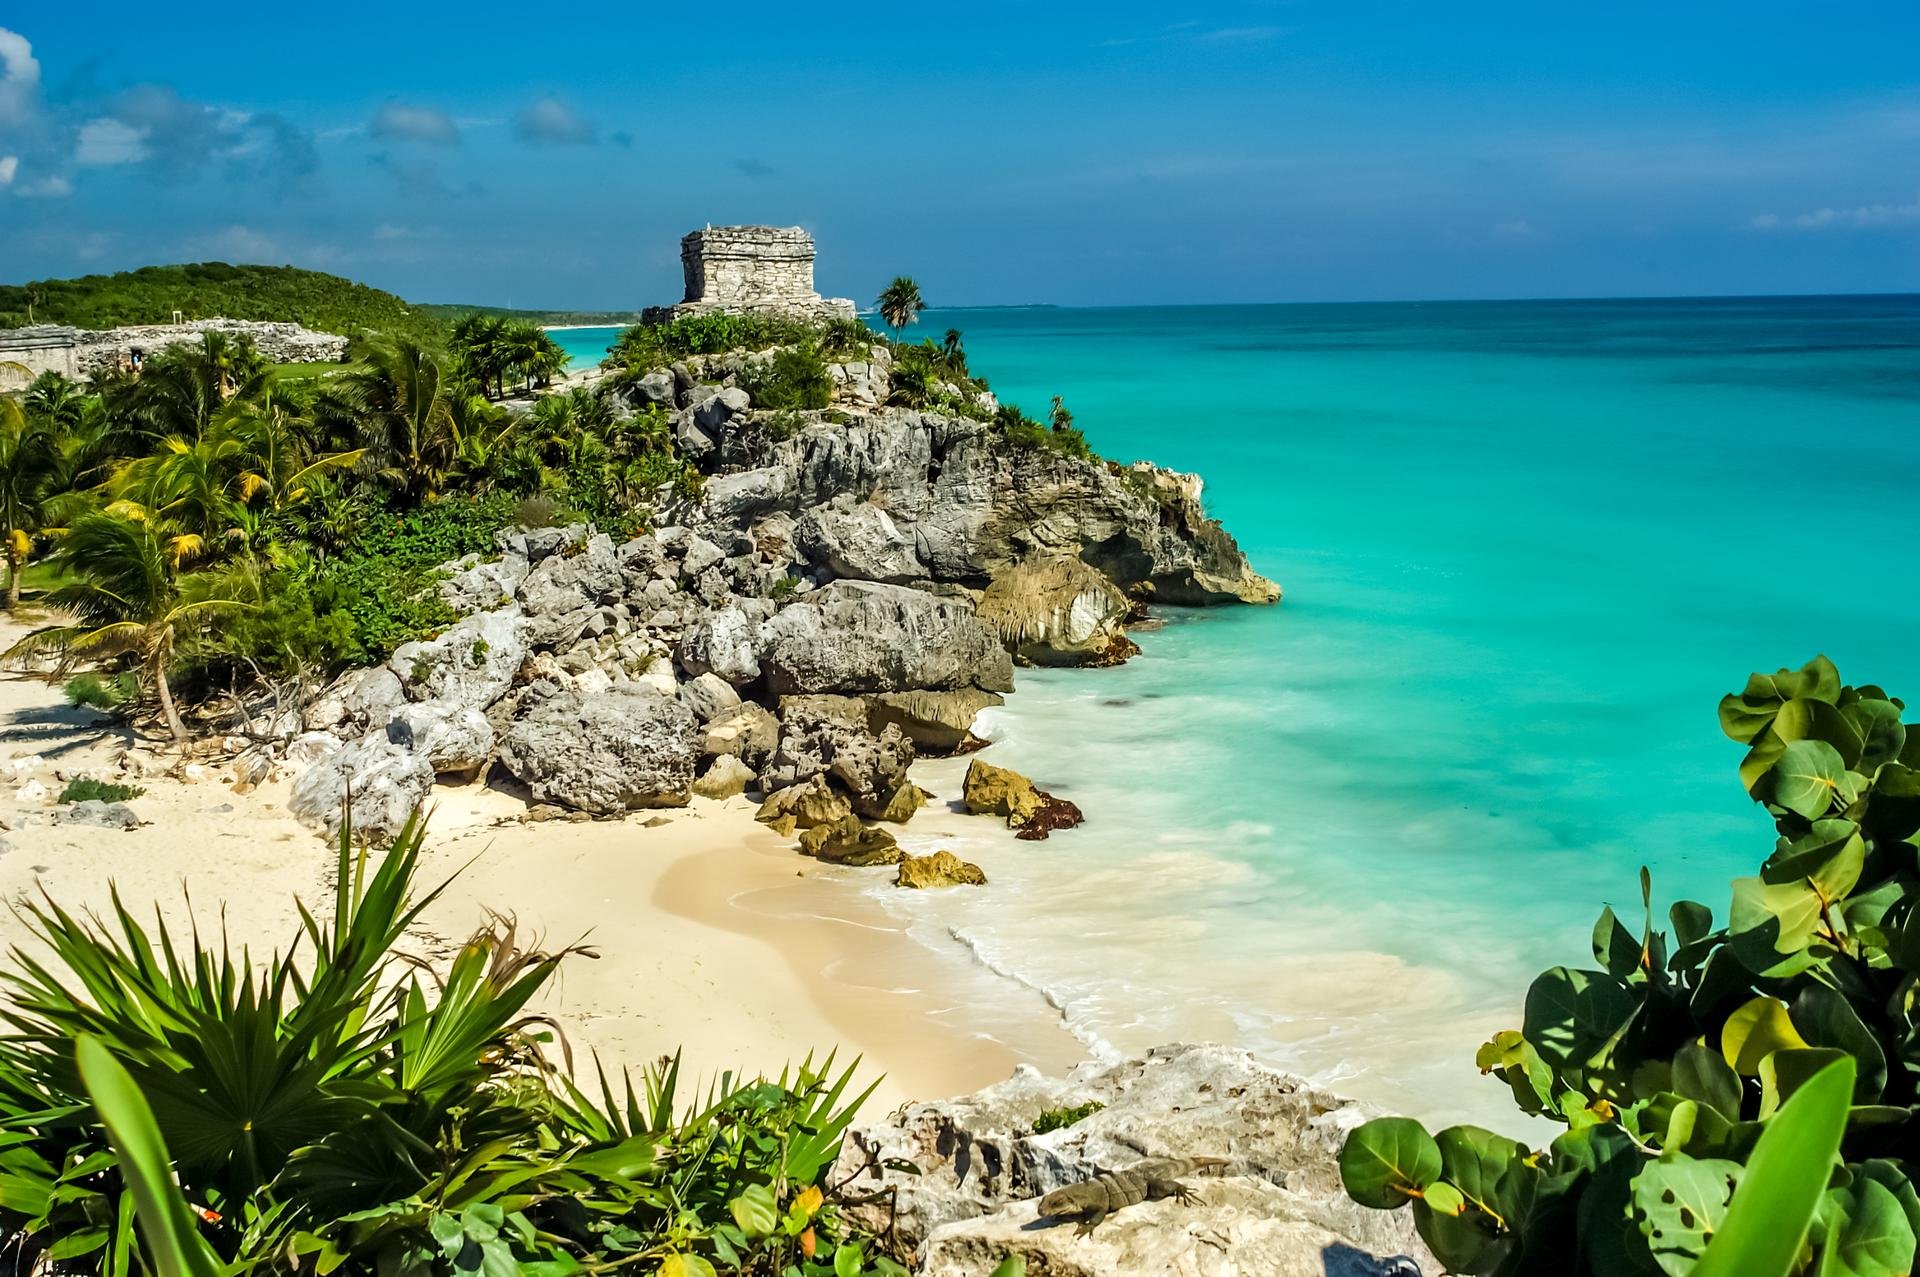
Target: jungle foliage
[[1676, 1060]]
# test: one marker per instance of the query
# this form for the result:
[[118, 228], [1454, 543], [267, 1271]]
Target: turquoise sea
[[1526, 546]]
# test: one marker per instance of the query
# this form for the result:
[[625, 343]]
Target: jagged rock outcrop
[[452, 737], [827, 736], [471, 664], [608, 753], [1276, 1208], [386, 781], [862, 636]]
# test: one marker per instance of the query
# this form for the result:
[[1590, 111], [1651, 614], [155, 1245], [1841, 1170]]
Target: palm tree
[[952, 349], [1058, 416], [479, 345], [182, 389], [899, 303], [404, 416], [132, 600], [29, 460]]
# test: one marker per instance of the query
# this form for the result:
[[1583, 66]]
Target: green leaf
[[1767, 1222], [684, 1266], [1691, 922], [848, 1260], [1388, 1161], [1679, 1203], [1745, 716], [1808, 779], [1473, 1159], [1824, 1017], [1756, 1031], [1828, 857], [1444, 1199], [1617, 950], [1804, 718], [756, 1211], [1771, 924], [1882, 734], [1786, 1071], [1865, 1232], [166, 1223], [1568, 1011], [1011, 1266], [1703, 1075]]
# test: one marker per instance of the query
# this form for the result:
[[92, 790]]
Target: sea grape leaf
[[684, 1266], [1697, 1130], [1882, 735], [1865, 1232], [1704, 1075], [1679, 1203], [1759, 763], [1475, 1159], [1458, 1237], [1551, 1020], [1691, 922], [1787, 1070], [1745, 716], [1770, 922], [1755, 1031], [1825, 1017], [1889, 1176], [1829, 856], [1388, 1161], [1805, 718], [1809, 778], [1614, 947], [755, 1211], [1514, 1059]]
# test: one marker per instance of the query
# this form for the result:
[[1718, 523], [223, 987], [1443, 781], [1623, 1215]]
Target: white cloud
[[1860, 217], [414, 124], [54, 187], [106, 141], [551, 120], [9, 165], [19, 78]]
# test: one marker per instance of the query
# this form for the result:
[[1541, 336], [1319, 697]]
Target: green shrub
[[1670, 1060], [112, 694], [1023, 431], [1061, 1118], [342, 1111], [795, 379], [85, 788]]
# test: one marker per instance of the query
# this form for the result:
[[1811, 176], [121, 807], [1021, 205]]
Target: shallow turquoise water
[[585, 347], [1525, 548]]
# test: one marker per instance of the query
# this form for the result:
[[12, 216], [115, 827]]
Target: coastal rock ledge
[[1275, 1208]]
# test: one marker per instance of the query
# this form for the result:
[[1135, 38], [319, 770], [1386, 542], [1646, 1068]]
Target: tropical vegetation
[[346, 1109], [1679, 1061]]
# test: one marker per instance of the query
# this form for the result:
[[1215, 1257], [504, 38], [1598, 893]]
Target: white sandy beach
[[713, 935]]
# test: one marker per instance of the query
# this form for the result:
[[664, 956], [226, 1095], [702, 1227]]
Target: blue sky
[[999, 152]]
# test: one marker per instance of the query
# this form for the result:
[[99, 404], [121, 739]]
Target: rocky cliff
[[848, 589]]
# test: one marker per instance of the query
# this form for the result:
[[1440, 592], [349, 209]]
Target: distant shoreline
[[567, 328]]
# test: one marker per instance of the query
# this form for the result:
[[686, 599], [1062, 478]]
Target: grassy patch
[[85, 788], [1060, 1119]]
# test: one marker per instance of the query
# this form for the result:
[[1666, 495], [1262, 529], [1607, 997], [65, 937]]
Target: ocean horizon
[[1526, 548]]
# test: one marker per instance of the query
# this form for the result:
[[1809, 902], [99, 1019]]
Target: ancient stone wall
[[761, 269], [81, 352]]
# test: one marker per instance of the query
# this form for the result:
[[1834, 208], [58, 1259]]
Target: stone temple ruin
[[79, 352], [749, 269]]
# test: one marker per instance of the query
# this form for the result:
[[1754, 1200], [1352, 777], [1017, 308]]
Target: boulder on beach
[[862, 636], [387, 782], [1000, 791], [941, 869], [725, 777], [814, 803], [1059, 611], [617, 751], [848, 842]]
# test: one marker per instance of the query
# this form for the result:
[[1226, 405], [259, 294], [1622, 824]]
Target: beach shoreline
[[714, 938]]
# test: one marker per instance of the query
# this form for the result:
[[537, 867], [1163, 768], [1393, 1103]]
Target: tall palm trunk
[[161, 653]]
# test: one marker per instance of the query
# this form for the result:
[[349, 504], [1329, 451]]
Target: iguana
[[1091, 1201]]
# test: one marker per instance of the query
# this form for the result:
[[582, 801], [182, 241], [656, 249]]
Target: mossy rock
[[941, 869]]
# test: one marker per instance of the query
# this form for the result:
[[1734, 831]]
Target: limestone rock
[[30, 791], [749, 732], [806, 806], [471, 664], [709, 696], [1058, 611], [724, 778], [898, 807], [95, 811], [861, 636], [859, 540], [474, 586], [999, 791], [1276, 1208], [725, 642], [829, 736], [451, 737], [848, 842], [936, 722], [310, 747], [941, 869], [387, 781], [604, 754]]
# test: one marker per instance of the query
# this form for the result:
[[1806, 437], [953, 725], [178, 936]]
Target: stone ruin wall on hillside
[[81, 352], [756, 269]]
